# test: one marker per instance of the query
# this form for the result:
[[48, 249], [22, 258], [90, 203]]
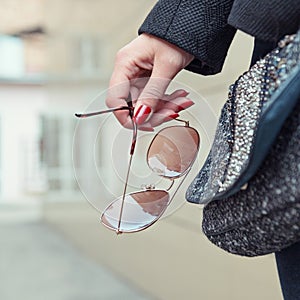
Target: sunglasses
[[171, 155]]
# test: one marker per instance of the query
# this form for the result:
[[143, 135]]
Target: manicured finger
[[176, 105], [162, 116]]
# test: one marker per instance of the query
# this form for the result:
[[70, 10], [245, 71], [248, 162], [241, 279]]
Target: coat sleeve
[[197, 26]]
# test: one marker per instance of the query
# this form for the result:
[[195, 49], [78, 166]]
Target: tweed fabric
[[198, 27], [266, 217], [267, 20], [205, 28]]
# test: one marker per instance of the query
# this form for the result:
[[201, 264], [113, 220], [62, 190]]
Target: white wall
[[20, 105]]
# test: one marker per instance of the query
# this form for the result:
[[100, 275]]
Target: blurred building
[[55, 56]]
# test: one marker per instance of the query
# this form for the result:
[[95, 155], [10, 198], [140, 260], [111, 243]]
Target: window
[[56, 152], [86, 55], [11, 57]]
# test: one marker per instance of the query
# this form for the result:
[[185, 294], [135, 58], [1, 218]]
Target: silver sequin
[[235, 136]]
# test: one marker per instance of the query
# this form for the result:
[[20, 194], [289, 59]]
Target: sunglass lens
[[140, 210], [173, 150]]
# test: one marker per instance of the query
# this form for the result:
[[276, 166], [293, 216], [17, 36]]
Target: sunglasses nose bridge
[[148, 187]]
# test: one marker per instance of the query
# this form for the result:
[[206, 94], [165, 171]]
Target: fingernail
[[186, 104], [171, 117], [142, 114], [183, 93], [146, 128]]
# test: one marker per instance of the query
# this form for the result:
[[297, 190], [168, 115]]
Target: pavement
[[172, 260], [38, 263]]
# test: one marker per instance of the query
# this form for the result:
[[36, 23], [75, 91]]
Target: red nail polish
[[186, 104], [173, 116], [146, 129], [142, 114]]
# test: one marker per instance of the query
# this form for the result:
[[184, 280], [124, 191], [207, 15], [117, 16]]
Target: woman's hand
[[145, 67]]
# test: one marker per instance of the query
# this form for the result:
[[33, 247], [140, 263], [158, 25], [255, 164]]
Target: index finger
[[118, 91]]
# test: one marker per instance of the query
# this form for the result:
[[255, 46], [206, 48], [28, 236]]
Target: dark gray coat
[[205, 28]]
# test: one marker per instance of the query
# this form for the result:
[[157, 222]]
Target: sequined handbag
[[258, 104], [250, 182]]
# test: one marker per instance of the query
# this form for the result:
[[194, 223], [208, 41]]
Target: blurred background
[[55, 58]]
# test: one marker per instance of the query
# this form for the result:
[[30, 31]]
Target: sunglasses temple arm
[[130, 105], [133, 143], [104, 112], [118, 231], [134, 137]]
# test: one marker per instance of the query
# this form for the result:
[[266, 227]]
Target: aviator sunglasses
[[171, 154]]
